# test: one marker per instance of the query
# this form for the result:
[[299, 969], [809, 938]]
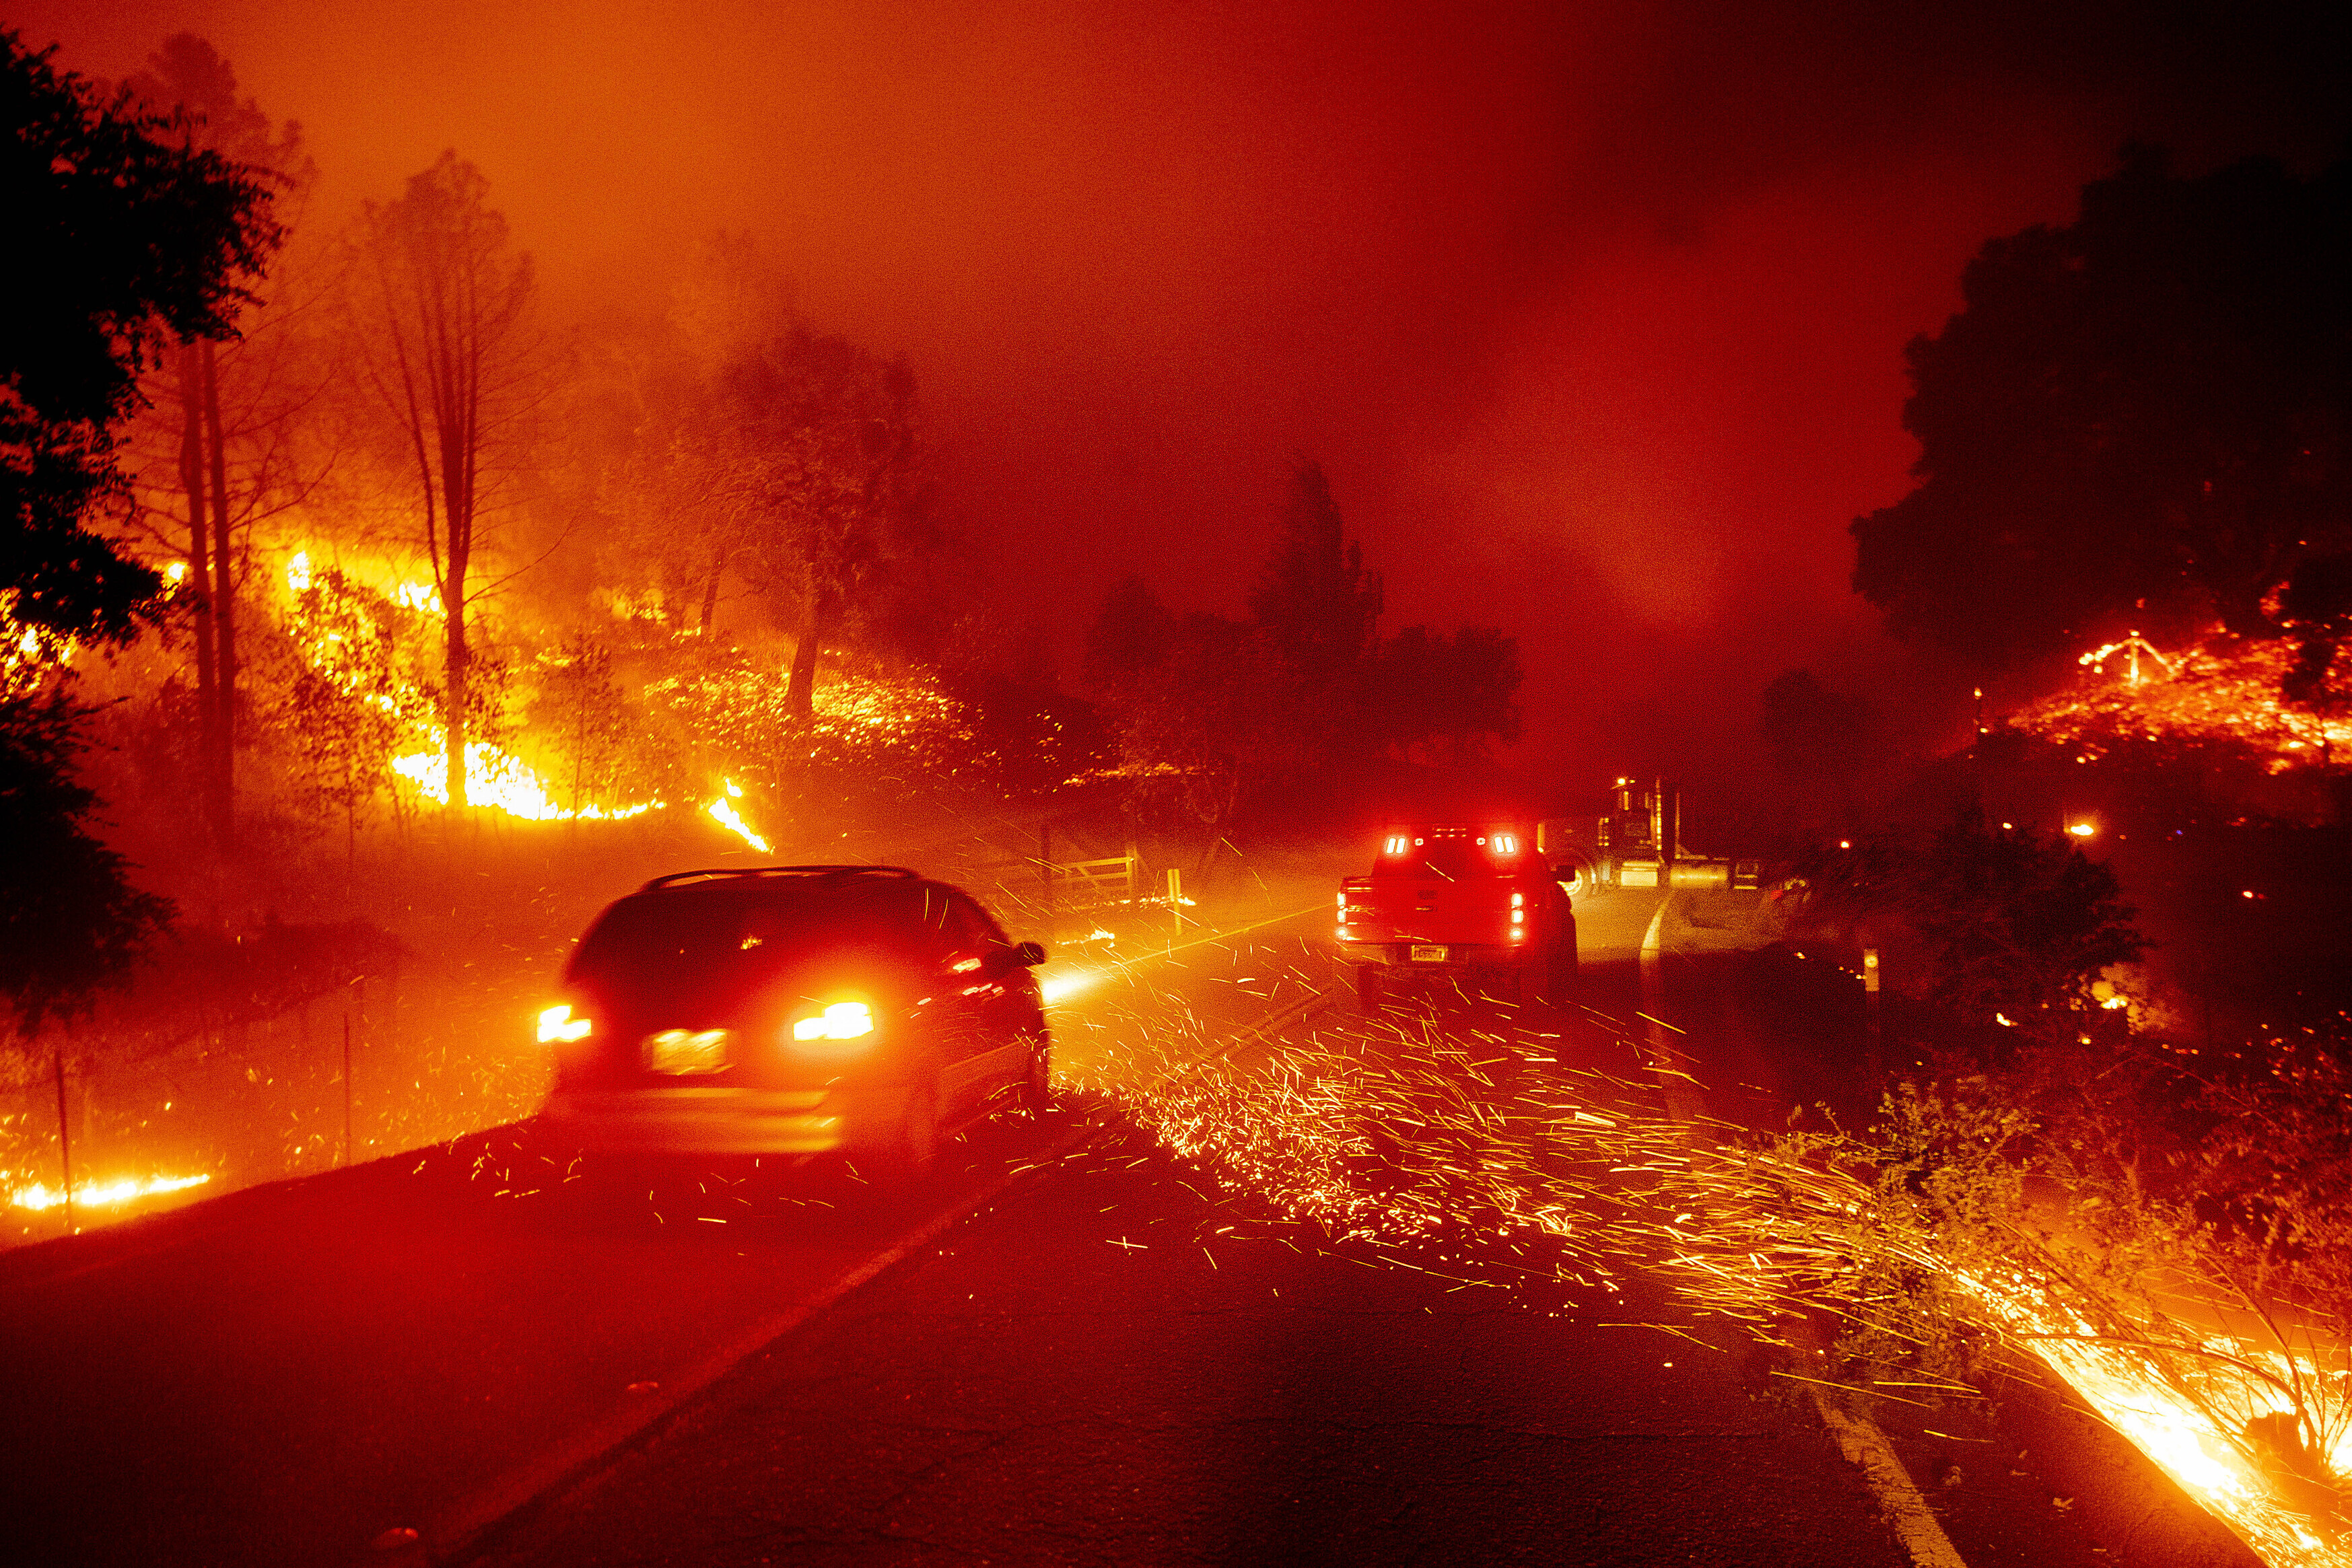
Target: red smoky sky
[[1593, 314]]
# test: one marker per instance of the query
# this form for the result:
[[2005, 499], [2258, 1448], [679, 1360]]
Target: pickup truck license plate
[[1429, 955]]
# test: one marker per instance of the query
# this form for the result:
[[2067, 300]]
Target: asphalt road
[[1121, 1356]]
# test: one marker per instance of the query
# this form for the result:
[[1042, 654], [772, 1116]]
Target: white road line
[[460, 1529], [1907, 1513], [1858, 1438]]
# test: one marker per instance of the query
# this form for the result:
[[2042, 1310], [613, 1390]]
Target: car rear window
[[678, 934]]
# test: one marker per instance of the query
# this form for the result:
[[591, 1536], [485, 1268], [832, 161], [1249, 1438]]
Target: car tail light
[[557, 1025], [831, 1029]]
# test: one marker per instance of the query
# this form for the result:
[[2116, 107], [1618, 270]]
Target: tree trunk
[[711, 593], [200, 573], [223, 603], [800, 691], [453, 607]]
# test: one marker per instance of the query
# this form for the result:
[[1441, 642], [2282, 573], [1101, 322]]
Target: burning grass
[[2226, 691]]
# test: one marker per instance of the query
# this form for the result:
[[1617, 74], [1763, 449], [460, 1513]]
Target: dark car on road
[[865, 1010]]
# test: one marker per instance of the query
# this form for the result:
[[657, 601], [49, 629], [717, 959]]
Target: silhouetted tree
[[441, 303], [1438, 698], [122, 243], [1223, 716], [1032, 736], [829, 450], [1132, 632], [71, 922], [1315, 602], [2151, 404], [2012, 921]]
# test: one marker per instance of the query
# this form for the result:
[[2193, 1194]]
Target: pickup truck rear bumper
[[1437, 956]]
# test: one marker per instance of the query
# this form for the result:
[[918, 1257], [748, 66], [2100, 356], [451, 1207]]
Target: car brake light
[[557, 1025], [840, 1021]]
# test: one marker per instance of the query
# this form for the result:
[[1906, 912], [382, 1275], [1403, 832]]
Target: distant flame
[[40, 1198], [2225, 690], [496, 779], [722, 811]]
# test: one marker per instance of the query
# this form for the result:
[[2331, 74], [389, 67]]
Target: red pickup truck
[[1462, 902]]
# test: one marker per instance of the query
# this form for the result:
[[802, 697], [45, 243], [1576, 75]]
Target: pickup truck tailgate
[[1428, 909]]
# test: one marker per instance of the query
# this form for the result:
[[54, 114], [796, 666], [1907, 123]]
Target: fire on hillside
[[2225, 690]]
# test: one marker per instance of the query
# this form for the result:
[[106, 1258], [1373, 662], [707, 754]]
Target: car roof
[[834, 873]]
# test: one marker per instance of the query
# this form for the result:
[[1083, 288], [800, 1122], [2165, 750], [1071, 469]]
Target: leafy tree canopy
[[1443, 697], [1131, 633], [2012, 921], [126, 238], [2143, 417], [1812, 732], [70, 923]]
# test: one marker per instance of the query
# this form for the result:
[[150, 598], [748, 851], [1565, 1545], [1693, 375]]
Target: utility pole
[[65, 1138], [1045, 872], [347, 1088], [1870, 1003]]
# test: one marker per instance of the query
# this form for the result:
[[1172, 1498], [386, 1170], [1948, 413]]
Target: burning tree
[[584, 715], [343, 702], [442, 303]]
